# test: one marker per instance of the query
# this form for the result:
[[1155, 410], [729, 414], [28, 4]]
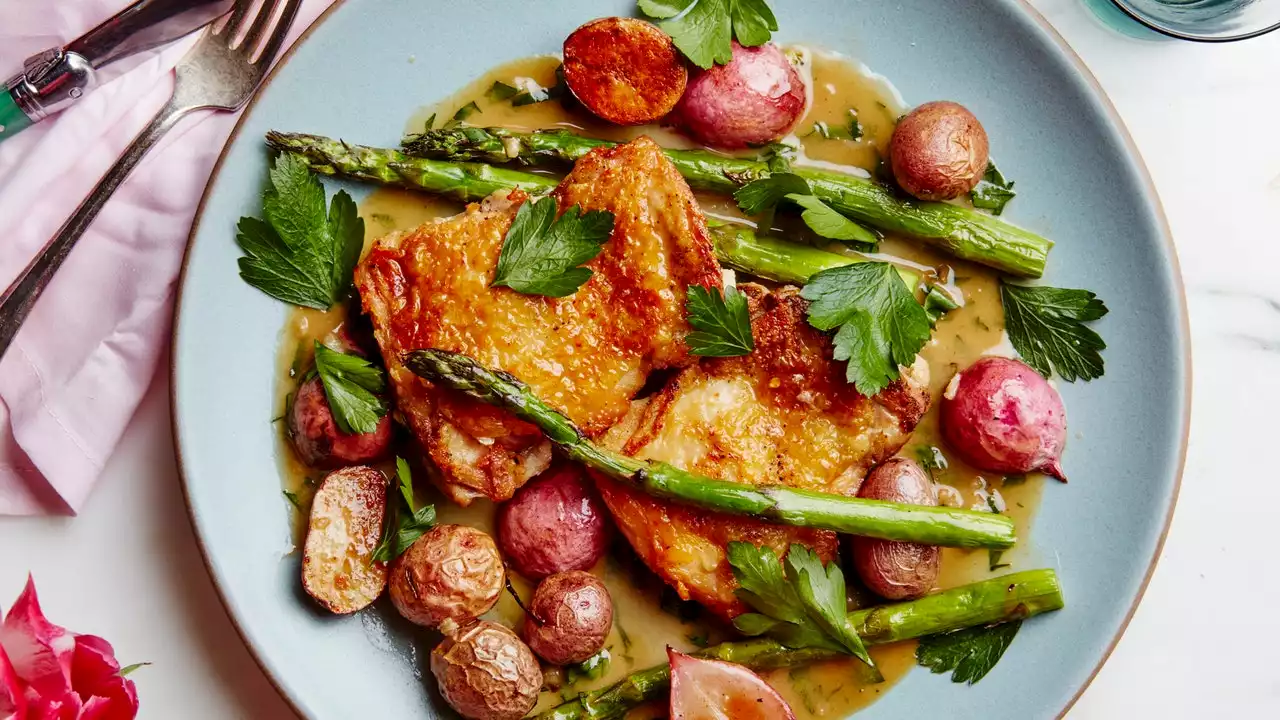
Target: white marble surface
[[1205, 119]]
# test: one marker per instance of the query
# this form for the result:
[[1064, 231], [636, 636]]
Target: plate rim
[[1061, 44]]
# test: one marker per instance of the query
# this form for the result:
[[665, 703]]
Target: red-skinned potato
[[317, 439], [756, 98], [344, 529], [938, 151], [486, 673], [896, 570], [553, 524], [452, 572], [624, 70], [569, 618], [704, 689], [999, 415]]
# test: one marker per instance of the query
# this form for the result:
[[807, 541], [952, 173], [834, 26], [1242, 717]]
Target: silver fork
[[219, 73]]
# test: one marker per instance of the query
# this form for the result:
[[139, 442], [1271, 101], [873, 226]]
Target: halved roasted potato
[[624, 70], [338, 568]]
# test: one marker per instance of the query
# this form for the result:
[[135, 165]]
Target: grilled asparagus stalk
[[960, 231], [736, 245], [773, 503]]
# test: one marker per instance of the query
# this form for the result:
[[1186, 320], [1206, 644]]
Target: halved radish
[[717, 690], [338, 568]]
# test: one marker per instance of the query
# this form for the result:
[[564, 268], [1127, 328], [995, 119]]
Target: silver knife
[[54, 79]]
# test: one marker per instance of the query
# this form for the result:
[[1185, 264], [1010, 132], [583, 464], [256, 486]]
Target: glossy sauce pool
[[647, 617]]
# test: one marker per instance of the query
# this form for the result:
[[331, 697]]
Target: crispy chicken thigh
[[586, 354], [783, 414]]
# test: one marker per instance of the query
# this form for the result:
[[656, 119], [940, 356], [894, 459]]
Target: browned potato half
[[624, 70], [486, 673], [453, 572], [347, 512], [897, 570], [938, 151]]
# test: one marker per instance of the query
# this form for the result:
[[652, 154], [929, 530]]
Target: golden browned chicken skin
[[586, 354], [783, 414]]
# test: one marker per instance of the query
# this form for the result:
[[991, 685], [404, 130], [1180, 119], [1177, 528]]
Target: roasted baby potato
[[486, 673], [938, 151], [554, 524], [347, 513], [317, 439], [758, 97], [453, 572], [624, 70], [897, 570], [1002, 416], [569, 618]]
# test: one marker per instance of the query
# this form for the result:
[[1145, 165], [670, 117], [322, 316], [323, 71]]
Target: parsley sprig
[[879, 325], [967, 654], [405, 521], [351, 385], [542, 254], [1046, 327], [705, 29], [993, 192], [805, 607], [722, 324], [759, 196], [299, 253]]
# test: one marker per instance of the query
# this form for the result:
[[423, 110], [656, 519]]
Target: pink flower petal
[[13, 702], [62, 707], [95, 674], [39, 650]]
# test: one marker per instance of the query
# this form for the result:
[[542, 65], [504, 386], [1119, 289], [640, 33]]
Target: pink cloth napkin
[[88, 351]]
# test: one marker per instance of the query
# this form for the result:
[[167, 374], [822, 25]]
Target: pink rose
[[48, 673]]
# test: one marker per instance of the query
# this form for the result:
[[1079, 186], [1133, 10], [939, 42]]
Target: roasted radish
[[486, 673], [624, 70], [317, 439], [554, 524], [897, 570], [938, 151], [1001, 416], [338, 568], [452, 572], [717, 690], [569, 618], [755, 99]]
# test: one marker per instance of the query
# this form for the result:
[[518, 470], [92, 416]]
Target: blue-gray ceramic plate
[[1080, 182]]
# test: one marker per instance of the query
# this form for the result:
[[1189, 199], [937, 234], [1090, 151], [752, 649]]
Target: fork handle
[[18, 299]]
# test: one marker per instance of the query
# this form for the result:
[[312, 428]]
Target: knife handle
[[12, 119], [51, 81]]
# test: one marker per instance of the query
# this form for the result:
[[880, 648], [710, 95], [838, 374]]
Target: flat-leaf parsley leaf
[[351, 384], [704, 29], [993, 192], [1046, 327], [722, 324], [405, 521], [826, 222], [879, 325], [541, 254], [803, 608], [759, 195], [967, 654], [300, 254]]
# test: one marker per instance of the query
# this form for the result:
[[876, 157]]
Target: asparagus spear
[[989, 602], [736, 245], [960, 231], [773, 503], [461, 181]]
